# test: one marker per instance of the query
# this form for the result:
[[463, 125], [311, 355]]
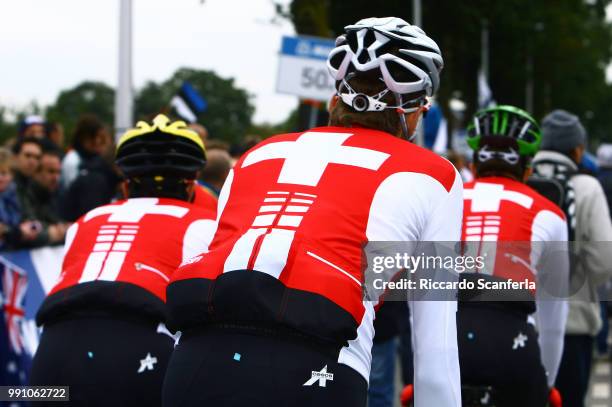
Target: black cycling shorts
[[238, 369], [104, 361], [498, 348]]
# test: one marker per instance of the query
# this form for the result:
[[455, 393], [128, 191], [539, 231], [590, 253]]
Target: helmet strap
[[402, 118], [402, 115]]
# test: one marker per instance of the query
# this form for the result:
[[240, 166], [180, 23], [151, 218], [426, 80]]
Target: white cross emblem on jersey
[[307, 157], [134, 209], [487, 197]]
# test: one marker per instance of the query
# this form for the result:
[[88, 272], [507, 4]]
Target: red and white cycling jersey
[[500, 209], [139, 242], [294, 216]]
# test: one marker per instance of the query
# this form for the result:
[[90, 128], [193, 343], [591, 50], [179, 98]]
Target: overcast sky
[[50, 45]]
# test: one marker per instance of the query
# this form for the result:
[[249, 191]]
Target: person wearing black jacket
[[87, 178], [40, 202]]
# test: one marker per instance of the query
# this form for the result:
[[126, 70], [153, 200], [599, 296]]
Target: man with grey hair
[[563, 144]]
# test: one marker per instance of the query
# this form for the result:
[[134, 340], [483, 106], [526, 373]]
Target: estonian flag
[[188, 103]]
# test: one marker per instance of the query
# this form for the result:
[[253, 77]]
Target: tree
[[8, 128], [566, 42], [87, 97], [11, 116], [289, 125], [229, 112]]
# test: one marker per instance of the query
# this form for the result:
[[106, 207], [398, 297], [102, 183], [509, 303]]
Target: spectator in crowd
[[88, 179], [27, 154], [459, 162], [563, 144], [27, 151], [90, 140], [10, 213], [35, 127], [604, 160], [388, 326], [32, 126], [213, 176], [40, 203], [218, 166], [55, 133]]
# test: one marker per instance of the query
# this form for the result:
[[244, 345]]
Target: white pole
[[484, 49], [124, 96], [416, 12]]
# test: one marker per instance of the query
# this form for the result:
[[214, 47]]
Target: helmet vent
[[369, 39], [363, 56]]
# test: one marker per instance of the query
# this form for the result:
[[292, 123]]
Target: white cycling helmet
[[408, 60]]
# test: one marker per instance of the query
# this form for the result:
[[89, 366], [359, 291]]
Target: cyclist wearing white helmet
[[274, 312]]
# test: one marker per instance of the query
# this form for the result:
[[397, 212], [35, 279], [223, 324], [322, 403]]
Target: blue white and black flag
[[188, 103]]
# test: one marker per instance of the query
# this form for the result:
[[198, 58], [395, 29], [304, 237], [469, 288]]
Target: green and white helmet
[[505, 121]]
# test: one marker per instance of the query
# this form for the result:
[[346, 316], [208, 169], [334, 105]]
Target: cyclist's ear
[[332, 103], [527, 173], [125, 189], [412, 119], [473, 169], [190, 186]]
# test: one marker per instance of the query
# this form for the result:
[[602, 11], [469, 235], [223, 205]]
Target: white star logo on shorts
[[519, 341], [147, 363]]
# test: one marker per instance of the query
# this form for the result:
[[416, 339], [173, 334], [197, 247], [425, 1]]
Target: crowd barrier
[[25, 278]]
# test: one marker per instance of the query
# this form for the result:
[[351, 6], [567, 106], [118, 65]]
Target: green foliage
[[228, 116], [87, 97], [568, 42], [289, 125], [8, 128], [229, 111], [310, 17], [10, 118]]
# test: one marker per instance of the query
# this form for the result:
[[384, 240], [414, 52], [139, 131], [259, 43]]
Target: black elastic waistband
[[518, 310], [282, 333], [92, 315]]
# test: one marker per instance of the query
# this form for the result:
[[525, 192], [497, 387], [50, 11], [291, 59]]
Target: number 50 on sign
[[302, 69]]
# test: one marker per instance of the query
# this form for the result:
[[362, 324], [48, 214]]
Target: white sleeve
[[197, 237], [437, 379], [200, 233], [404, 210], [70, 234], [553, 277], [224, 194]]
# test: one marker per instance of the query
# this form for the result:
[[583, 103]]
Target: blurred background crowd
[[56, 158]]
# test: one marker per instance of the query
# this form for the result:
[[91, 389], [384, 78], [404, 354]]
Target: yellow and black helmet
[[160, 149]]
